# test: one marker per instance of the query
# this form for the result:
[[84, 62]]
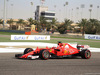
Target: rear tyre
[[27, 50], [85, 54], [44, 54]]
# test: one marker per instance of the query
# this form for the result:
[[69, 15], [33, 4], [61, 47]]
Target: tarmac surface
[[9, 65]]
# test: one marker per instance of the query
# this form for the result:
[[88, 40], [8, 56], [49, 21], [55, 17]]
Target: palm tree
[[52, 25], [68, 23], [53, 22], [93, 26], [38, 27], [83, 24], [43, 22], [1, 21], [24, 24], [20, 22], [10, 22], [63, 27], [98, 27], [31, 21]]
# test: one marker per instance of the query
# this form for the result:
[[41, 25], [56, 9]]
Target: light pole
[[90, 10], [55, 10], [7, 10], [66, 4], [60, 14], [69, 14], [12, 11], [4, 15], [97, 11], [91, 5], [31, 9], [42, 2], [72, 15], [82, 6], [77, 9]]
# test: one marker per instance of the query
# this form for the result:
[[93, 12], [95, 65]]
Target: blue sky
[[23, 9]]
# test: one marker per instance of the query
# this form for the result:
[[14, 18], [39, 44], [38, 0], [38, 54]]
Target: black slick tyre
[[44, 54], [27, 50], [85, 54]]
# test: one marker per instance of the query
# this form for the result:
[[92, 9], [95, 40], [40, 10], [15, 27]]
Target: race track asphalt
[[9, 65]]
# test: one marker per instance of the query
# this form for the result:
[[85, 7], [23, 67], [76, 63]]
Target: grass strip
[[90, 43]]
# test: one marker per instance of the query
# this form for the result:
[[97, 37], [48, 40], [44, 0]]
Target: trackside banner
[[88, 36], [30, 37]]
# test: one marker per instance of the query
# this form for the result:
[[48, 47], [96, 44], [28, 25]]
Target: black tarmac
[[9, 65]]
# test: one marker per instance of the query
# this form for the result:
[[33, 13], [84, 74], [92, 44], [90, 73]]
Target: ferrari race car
[[62, 50]]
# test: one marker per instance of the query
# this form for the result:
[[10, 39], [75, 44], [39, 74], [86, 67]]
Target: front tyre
[[85, 54], [27, 50], [44, 54]]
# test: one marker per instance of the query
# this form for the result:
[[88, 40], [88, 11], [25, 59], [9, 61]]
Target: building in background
[[42, 11], [49, 15]]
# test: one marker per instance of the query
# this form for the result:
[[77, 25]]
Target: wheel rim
[[46, 54], [88, 54]]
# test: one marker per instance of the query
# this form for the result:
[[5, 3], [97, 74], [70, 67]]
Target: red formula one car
[[62, 50]]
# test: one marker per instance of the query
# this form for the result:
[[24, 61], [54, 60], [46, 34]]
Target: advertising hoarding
[[30, 37], [88, 36]]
